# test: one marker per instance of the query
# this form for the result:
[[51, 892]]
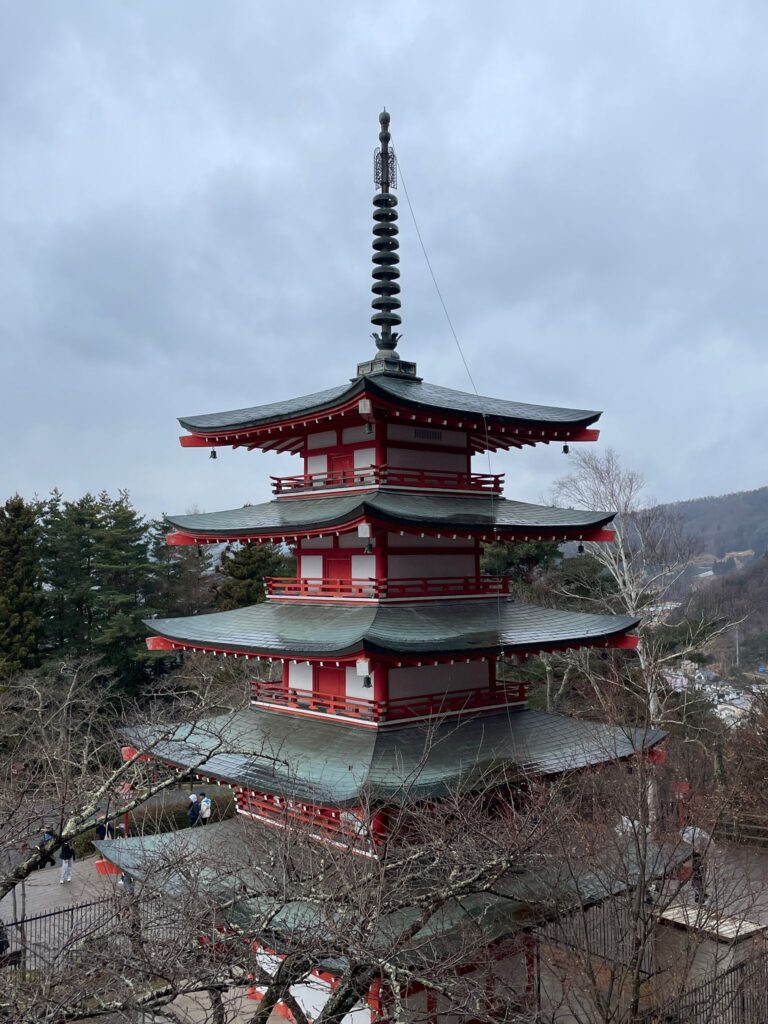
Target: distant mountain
[[731, 522]]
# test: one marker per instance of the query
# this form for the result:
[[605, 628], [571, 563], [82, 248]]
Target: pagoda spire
[[386, 258]]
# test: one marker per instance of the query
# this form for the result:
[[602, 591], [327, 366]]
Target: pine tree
[[523, 562], [184, 576], [123, 582], [70, 535], [20, 603], [242, 573]]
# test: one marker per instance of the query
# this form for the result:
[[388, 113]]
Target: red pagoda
[[389, 622]]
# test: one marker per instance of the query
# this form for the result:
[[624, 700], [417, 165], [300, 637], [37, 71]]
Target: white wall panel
[[406, 566], [326, 439], [312, 566], [300, 675], [404, 682]]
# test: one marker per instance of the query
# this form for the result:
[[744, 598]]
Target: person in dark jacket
[[193, 811], [67, 857]]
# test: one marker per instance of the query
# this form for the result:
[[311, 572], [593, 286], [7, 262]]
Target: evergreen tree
[[123, 582], [70, 536], [242, 572], [523, 561], [20, 603], [184, 576]]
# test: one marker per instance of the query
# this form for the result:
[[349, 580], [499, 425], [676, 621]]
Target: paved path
[[42, 891]]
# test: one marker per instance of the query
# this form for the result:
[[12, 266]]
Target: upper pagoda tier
[[484, 517], [381, 396]]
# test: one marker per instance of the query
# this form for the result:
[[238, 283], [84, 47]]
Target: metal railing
[[386, 590], [738, 995], [389, 476], [84, 931], [606, 931], [389, 710]]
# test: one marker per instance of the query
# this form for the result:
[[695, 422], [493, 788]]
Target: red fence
[[389, 710], [387, 590], [392, 476]]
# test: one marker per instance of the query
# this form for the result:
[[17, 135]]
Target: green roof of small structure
[[329, 762], [400, 508], [306, 629], [225, 855], [415, 394]]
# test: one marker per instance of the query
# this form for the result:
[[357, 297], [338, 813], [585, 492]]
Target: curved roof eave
[[398, 508], [414, 394], [316, 630]]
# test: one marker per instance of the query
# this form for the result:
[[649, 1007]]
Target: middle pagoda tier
[[389, 617]]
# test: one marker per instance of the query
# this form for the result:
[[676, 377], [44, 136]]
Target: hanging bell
[[566, 449], [213, 454]]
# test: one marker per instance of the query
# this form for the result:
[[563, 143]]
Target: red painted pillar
[[380, 683]]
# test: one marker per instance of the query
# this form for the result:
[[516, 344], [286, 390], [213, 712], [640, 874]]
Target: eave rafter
[[624, 642], [181, 538]]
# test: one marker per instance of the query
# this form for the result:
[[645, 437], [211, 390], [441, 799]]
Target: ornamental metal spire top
[[386, 258]]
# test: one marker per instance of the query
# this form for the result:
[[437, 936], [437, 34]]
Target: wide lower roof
[[316, 629], [400, 509], [222, 856], [333, 763], [412, 394]]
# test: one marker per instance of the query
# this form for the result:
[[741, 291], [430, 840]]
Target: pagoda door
[[331, 684], [341, 470], [339, 569]]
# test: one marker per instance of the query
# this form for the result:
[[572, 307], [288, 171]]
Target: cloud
[[185, 226]]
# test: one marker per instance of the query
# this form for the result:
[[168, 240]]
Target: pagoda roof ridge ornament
[[386, 259]]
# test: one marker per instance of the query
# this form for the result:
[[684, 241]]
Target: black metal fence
[[737, 996], [54, 939], [607, 931]]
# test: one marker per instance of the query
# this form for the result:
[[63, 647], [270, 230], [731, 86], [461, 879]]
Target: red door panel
[[331, 682], [338, 568], [341, 469]]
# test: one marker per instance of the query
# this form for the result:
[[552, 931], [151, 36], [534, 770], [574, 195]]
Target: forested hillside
[[730, 522], [740, 597]]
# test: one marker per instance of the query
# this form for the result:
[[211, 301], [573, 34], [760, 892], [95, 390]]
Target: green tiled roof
[[224, 855], [331, 762], [313, 629], [399, 507], [413, 393], [433, 396]]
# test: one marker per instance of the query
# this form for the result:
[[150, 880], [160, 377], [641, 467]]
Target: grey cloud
[[185, 225]]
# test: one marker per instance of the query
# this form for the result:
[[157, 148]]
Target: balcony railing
[[389, 476], [389, 710], [386, 590]]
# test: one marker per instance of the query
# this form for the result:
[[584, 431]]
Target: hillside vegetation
[[730, 522]]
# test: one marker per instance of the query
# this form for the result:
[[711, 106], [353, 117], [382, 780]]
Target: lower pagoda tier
[[268, 757], [400, 632]]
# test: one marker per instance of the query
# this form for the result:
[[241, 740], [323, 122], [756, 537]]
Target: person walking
[[702, 845], [47, 856], [104, 830], [67, 857], [205, 809], [193, 811]]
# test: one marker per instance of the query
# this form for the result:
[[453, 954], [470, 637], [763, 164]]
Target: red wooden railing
[[411, 706], [386, 590], [393, 476]]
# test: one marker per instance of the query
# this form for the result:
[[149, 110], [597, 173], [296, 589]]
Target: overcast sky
[[185, 226]]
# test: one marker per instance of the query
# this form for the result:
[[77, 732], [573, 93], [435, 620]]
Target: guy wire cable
[[461, 353]]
